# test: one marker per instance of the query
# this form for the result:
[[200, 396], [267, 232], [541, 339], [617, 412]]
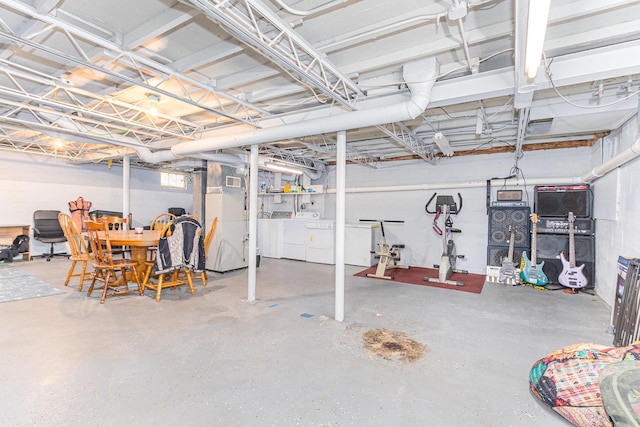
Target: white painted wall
[[422, 246], [32, 182], [617, 208]]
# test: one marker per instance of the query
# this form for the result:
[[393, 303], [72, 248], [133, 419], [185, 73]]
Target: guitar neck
[[534, 247], [572, 246], [512, 239]]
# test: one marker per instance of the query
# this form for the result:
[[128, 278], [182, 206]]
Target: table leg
[[139, 254]]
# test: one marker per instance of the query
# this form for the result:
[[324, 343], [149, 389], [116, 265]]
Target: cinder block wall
[[32, 182]]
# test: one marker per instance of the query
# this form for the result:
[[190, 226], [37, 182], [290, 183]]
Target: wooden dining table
[[138, 242]]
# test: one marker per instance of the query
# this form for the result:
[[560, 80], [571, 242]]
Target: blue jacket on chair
[[183, 248]]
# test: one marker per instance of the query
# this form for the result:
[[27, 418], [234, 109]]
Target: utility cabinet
[[360, 244], [226, 200]]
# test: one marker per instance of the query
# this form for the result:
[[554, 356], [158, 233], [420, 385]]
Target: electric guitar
[[532, 273], [571, 276], [508, 270]]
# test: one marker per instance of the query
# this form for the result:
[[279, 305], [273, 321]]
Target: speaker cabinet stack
[[553, 204], [500, 220]]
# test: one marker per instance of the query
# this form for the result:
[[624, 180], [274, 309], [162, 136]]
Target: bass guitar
[[508, 273], [571, 276], [531, 272]]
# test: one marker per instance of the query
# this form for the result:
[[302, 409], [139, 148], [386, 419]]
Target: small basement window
[[173, 180]]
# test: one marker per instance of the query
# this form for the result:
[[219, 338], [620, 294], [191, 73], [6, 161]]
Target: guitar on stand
[[508, 274], [571, 277], [531, 273]]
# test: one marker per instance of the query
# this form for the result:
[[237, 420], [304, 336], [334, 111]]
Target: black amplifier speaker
[[549, 247], [559, 200], [560, 225], [495, 254], [500, 218]]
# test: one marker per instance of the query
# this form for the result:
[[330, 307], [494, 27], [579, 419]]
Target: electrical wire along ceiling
[[169, 82]]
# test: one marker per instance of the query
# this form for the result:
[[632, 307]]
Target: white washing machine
[[270, 233], [308, 238], [293, 239]]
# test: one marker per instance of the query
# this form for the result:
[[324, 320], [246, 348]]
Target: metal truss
[[259, 27], [325, 144], [85, 109], [316, 148], [254, 24], [41, 145], [401, 134], [140, 71]]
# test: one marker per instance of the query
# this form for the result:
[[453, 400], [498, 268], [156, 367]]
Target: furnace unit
[[226, 199]]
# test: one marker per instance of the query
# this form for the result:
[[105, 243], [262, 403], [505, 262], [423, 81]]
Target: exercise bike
[[388, 255], [445, 207]]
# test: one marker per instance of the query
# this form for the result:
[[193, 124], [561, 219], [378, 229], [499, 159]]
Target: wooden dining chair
[[116, 223], [207, 241], [160, 221], [167, 271], [106, 267], [79, 251]]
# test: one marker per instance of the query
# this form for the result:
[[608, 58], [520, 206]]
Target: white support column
[[126, 186], [253, 223], [341, 156]]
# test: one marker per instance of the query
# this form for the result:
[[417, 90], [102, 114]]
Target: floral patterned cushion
[[568, 380]]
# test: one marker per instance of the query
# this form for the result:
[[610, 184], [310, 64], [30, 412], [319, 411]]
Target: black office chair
[[47, 229]]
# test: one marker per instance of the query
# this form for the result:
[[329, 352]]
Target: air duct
[[166, 156], [420, 77], [143, 152], [314, 174]]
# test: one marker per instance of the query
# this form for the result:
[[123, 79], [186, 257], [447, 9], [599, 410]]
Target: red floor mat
[[472, 282]]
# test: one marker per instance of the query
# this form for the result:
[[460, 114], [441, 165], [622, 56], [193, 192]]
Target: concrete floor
[[214, 359]]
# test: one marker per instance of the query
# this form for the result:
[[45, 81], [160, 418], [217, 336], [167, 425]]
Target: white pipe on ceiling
[[463, 184], [145, 154], [420, 77], [614, 162], [311, 11]]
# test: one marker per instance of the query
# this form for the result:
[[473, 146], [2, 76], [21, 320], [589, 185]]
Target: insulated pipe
[[154, 157], [311, 11], [614, 162], [420, 77], [166, 156], [145, 154], [467, 184]]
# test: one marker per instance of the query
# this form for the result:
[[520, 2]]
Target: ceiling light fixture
[[276, 167], [536, 29], [443, 144], [154, 100]]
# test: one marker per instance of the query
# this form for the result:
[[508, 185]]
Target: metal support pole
[[126, 188], [341, 156], [253, 222]]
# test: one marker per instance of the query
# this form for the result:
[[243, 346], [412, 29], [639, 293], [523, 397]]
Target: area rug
[[472, 282], [17, 285]]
